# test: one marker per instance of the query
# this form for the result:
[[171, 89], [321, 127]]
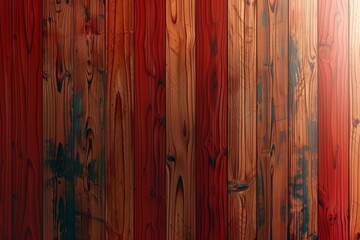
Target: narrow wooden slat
[[211, 119], [119, 119], [354, 137], [5, 120], [58, 178], [272, 119], [149, 118], [180, 118], [242, 119], [303, 124], [333, 36], [26, 127], [88, 118]]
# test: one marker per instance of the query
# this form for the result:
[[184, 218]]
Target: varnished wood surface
[[150, 120], [180, 119], [272, 119], [333, 187], [303, 119], [119, 122], [211, 119], [242, 119]]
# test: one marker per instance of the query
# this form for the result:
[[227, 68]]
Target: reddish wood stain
[[333, 36], [211, 119], [149, 109]]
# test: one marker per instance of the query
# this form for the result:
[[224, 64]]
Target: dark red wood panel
[[211, 119], [333, 36], [5, 121], [149, 113]]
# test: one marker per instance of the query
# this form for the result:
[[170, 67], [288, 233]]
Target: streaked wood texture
[[303, 124], [333, 40], [354, 130], [242, 119], [211, 119], [180, 119], [272, 119], [119, 119], [149, 120]]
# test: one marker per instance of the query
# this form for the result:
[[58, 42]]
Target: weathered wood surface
[[119, 119], [272, 119], [58, 36], [354, 137], [211, 119], [5, 121], [149, 120], [180, 119], [333, 40], [88, 118], [303, 124], [242, 119]]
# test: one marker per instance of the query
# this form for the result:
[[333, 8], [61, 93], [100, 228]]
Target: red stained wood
[[5, 120], [211, 119], [333, 36], [150, 136]]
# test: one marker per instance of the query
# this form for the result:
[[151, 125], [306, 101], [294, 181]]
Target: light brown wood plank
[[242, 119], [180, 118], [119, 119]]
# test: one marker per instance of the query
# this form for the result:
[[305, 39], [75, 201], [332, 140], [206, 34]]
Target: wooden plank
[[242, 119], [88, 118], [333, 36], [57, 120], [354, 137], [26, 127], [272, 119], [119, 119], [211, 119], [149, 118], [5, 120], [180, 119], [303, 124]]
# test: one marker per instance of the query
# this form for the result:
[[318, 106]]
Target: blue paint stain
[[260, 197], [260, 116], [273, 116], [77, 114], [259, 93], [264, 19], [313, 136], [294, 70], [282, 136]]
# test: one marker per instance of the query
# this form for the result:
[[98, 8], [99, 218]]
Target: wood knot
[[236, 187], [356, 122], [358, 235]]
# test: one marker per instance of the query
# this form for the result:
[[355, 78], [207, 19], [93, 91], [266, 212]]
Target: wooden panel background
[[179, 119]]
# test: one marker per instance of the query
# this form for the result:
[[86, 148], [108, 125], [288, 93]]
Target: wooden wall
[[179, 119]]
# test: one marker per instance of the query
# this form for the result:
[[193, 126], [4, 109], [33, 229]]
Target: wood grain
[[89, 121], [303, 124], [272, 119], [354, 137], [119, 119], [242, 119], [58, 175], [333, 40], [180, 118], [211, 119], [5, 120], [149, 120], [26, 122]]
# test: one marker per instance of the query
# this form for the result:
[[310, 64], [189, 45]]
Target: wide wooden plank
[[5, 120], [272, 119], [211, 119], [303, 124], [88, 118], [242, 119], [180, 119], [149, 120], [26, 127], [119, 119], [354, 137], [58, 180], [333, 40]]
